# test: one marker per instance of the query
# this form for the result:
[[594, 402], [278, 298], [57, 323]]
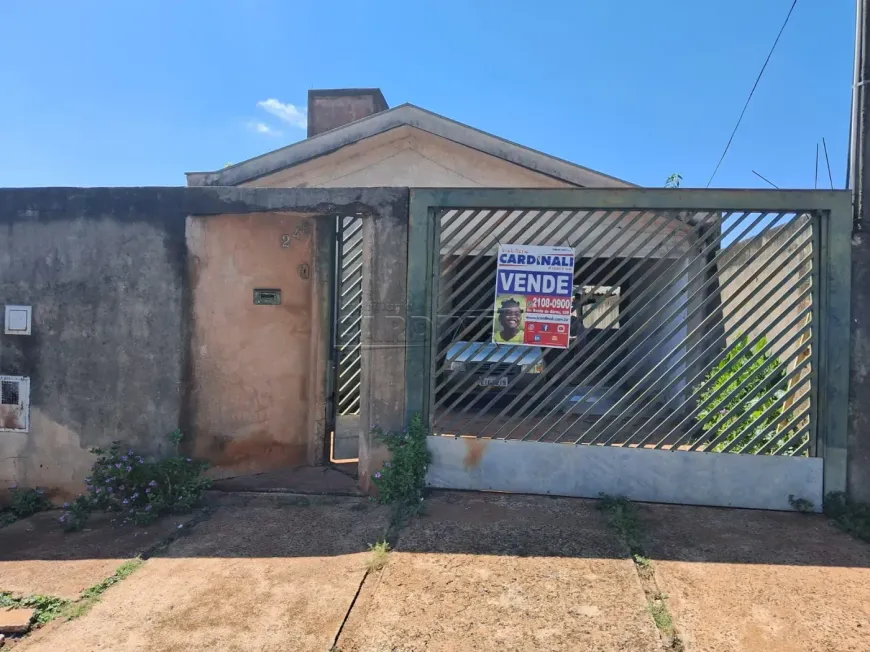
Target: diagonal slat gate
[[694, 329], [348, 333]]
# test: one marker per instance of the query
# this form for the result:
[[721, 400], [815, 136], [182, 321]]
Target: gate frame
[[833, 297]]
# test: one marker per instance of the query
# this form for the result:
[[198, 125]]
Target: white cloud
[[289, 113], [263, 128]]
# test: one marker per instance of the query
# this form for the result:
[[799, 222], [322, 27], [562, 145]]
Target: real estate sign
[[534, 288]]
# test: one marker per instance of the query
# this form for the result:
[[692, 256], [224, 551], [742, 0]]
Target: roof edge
[[414, 116]]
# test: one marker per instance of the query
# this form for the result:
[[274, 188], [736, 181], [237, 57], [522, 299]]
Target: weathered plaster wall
[[106, 271], [859, 386], [106, 354], [251, 364]]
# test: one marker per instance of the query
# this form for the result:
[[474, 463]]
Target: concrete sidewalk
[[477, 572]]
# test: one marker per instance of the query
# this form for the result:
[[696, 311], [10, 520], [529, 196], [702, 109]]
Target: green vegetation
[[47, 607], [622, 516], [24, 503], [401, 481], [380, 554], [140, 490], [850, 516], [91, 596], [801, 504], [744, 415]]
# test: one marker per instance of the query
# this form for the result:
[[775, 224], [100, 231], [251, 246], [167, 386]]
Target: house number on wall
[[301, 230]]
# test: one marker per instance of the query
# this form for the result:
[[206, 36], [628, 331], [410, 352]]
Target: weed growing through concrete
[[380, 555], [91, 596], [402, 479], [622, 515], [47, 607], [850, 516]]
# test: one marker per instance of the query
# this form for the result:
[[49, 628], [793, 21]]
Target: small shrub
[[24, 503], [850, 516], [140, 490], [76, 514], [402, 480], [380, 555], [801, 504], [765, 372]]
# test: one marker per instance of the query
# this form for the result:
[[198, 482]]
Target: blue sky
[[138, 92]]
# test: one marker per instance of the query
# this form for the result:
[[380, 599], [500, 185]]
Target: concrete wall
[[252, 364], [751, 268], [107, 274], [859, 385], [104, 273]]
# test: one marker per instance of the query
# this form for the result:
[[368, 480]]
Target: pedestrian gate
[[708, 356], [347, 338]]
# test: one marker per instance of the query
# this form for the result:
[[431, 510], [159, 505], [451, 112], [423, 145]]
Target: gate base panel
[[657, 476]]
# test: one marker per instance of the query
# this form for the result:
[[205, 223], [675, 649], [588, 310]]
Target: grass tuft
[[380, 555]]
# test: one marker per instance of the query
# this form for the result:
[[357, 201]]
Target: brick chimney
[[331, 108]]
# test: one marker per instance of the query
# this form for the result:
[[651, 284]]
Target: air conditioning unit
[[14, 403]]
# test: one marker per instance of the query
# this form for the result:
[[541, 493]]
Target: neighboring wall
[[754, 267], [104, 271]]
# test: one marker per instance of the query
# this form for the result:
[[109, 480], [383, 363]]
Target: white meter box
[[17, 321]]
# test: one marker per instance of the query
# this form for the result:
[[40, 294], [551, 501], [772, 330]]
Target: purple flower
[[129, 468], [135, 495], [40, 491], [153, 483], [124, 458], [99, 489], [15, 486], [66, 505], [140, 460], [147, 508], [189, 460], [108, 480], [378, 474], [130, 452], [125, 501], [148, 490], [121, 487], [110, 490], [88, 479], [118, 465]]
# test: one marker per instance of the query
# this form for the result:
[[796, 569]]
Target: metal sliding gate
[[700, 367], [347, 338]]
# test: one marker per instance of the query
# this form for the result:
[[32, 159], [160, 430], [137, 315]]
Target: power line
[[766, 179], [752, 92]]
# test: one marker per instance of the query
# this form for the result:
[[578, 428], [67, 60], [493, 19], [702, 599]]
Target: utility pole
[[859, 129]]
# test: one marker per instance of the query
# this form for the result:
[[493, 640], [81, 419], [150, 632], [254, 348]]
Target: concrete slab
[[269, 578], [503, 573], [743, 581], [38, 557]]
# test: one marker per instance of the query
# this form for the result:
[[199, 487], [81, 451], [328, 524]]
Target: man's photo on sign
[[509, 319]]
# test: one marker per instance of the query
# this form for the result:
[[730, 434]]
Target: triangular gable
[[410, 115]]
